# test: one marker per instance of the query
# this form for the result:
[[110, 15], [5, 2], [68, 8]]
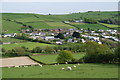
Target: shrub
[[98, 53], [65, 56], [49, 50], [18, 51], [37, 50]]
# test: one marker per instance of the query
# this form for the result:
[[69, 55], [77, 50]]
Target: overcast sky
[[57, 7], [59, 0]]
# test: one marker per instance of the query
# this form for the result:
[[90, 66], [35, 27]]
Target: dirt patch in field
[[17, 61]]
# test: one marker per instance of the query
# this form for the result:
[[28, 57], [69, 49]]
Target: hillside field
[[29, 45], [8, 39], [90, 26], [52, 21], [110, 25], [48, 25]]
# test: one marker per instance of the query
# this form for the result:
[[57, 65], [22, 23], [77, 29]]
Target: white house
[[83, 41], [49, 37], [58, 42], [7, 35]]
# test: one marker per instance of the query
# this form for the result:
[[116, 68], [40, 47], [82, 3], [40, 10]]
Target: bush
[[49, 50], [65, 56], [98, 53], [18, 51], [37, 50], [60, 35]]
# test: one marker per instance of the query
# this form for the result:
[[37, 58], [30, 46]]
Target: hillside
[[12, 22]]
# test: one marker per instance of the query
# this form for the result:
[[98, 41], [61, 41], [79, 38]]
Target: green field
[[52, 21], [91, 26], [39, 25], [59, 25], [10, 27], [110, 25], [48, 25], [54, 71], [8, 39], [29, 45], [49, 59]]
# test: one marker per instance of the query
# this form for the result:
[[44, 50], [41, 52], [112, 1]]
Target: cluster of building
[[49, 35]]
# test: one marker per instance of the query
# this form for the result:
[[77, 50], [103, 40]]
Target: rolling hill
[[10, 25]]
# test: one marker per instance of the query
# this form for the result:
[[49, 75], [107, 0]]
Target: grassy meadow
[[53, 21], [29, 45], [55, 71], [110, 25], [48, 25], [8, 39], [49, 59], [10, 27], [91, 26]]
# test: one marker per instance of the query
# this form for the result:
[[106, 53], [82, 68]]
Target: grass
[[59, 25], [29, 45], [48, 25], [91, 26], [39, 25], [8, 39], [52, 71], [10, 27], [51, 21], [49, 59], [110, 25]]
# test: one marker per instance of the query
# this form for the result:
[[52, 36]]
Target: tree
[[36, 50], [65, 56], [76, 34], [49, 50], [97, 53], [117, 53], [3, 50], [20, 51], [60, 35]]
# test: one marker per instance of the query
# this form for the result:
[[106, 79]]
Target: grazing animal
[[78, 64], [58, 63], [63, 68], [40, 65], [16, 66], [8, 67], [74, 66], [66, 62], [69, 68]]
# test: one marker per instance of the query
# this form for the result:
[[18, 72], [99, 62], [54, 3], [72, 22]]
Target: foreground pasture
[[55, 71]]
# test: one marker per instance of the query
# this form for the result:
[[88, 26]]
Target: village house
[[59, 42], [49, 38]]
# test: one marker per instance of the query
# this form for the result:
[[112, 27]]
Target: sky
[[60, 0], [56, 7]]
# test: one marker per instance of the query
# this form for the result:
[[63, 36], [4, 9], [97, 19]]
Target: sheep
[[8, 67], [69, 68], [78, 64], [16, 66], [58, 64], [66, 62], [74, 66], [40, 65], [63, 68], [25, 66]]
